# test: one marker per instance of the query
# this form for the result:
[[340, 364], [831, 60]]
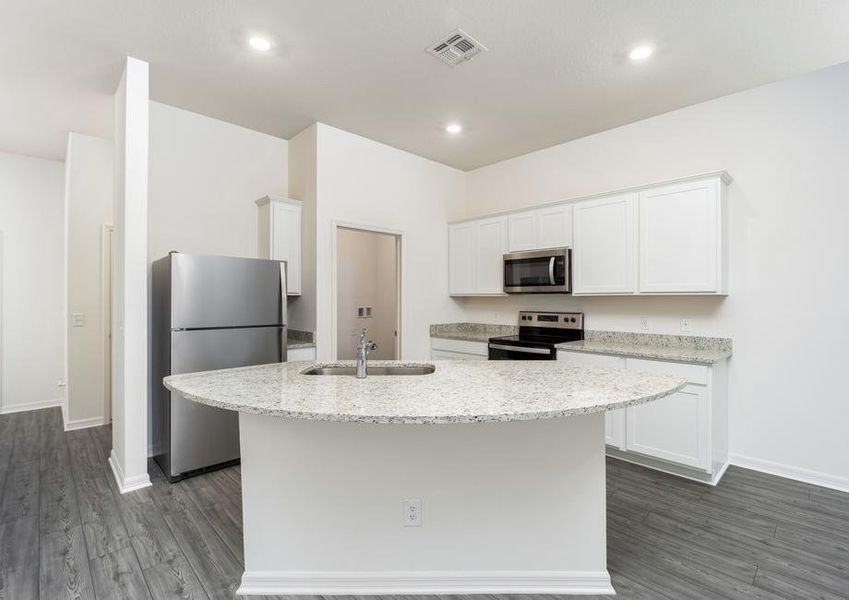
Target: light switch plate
[[77, 319]]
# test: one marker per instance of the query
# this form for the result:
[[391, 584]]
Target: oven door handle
[[551, 271], [520, 349]]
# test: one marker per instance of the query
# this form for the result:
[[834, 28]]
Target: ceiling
[[556, 70]]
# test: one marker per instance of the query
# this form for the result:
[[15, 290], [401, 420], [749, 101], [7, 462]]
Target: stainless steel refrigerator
[[209, 312]]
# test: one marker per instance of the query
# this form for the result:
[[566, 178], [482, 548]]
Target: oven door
[[508, 352], [539, 271]]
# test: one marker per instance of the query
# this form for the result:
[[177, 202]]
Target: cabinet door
[[461, 258], [554, 226], [674, 428], [603, 242], [522, 231], [286, 242], [679, 238], [614, 420], [489, 256]]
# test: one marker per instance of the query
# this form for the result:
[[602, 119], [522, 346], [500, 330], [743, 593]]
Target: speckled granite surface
[[683, 348], [471, 332], [300, 339], [457, 392]]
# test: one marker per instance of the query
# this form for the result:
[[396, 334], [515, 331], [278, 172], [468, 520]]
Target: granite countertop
[[471, 332], [457, 392], [682, 348], [300, 339]]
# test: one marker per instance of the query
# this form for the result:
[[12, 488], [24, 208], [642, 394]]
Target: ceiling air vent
[[456, 47]]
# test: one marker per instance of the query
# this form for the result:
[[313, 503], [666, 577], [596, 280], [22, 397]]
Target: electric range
[[539, 332]]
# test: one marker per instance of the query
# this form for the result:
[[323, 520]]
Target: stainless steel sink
[[375, 370]]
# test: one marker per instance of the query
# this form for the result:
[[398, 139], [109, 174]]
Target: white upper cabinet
[[554, 226], [475, 257], [548, 227], [603, 255], [279, 236], [461, 258], [489, 264], [522, 229], [680, 236]]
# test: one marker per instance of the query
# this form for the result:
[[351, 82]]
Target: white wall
[[88, 205], [787, 146], [364, 182], [32, 247], [205, 175], [128, 458]]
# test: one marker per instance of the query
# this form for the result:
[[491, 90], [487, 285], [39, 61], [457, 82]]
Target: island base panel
[[507, 507]]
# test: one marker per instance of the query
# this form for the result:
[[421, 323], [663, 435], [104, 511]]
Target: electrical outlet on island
[[412, 512]]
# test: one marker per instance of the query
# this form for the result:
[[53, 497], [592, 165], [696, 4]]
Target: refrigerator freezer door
[[225, 291], [203, 436]]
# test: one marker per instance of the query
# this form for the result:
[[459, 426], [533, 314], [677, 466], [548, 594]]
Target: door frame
[[107, 252], [400, 288]]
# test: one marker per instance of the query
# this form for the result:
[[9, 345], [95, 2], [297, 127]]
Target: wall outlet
[[644, 323], [412, 513], [685, 325]]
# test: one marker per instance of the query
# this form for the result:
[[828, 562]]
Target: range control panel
[[556, 320]]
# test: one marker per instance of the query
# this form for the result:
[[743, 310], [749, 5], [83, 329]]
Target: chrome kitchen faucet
[[363, 348]]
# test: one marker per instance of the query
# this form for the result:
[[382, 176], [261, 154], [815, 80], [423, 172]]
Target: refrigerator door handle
[[284, 327]]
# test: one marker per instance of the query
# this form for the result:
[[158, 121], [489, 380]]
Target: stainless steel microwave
[[538, 271]]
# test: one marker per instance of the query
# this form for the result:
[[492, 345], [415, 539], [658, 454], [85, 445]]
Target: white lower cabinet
[[446, 349], [614, 420], [685, 433], [296, 354]]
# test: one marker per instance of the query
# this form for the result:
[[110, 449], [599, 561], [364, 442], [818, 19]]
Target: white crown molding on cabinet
[[723, 175], [425, 582]]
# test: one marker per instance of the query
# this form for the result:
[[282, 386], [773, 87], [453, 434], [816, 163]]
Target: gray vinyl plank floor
[[66, 532]]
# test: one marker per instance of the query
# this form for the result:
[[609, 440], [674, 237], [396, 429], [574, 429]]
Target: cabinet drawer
[[692, 373], [585, 359], [479, 349]]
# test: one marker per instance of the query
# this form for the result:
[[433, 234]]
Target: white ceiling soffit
[[555, 70]]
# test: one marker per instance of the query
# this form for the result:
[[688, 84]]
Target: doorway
[[368, 292]]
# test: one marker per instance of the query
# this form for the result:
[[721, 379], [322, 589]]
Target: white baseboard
[[126, 484], [330, 583], [83, 423], [799, 474], [14, 408]]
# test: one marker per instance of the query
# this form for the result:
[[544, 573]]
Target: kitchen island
[[480, 477]]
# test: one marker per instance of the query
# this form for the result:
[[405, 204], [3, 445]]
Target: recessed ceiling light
[[260, 44], [453, 128], [641, 53]]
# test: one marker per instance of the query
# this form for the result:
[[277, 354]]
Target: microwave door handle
[[551, 271]]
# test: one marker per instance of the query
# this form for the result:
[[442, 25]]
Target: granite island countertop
[[456, 392]]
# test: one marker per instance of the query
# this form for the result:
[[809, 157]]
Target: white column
[[129, 316]]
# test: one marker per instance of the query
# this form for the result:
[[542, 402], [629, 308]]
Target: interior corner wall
[[89, 205], [32, 249], [303, 183], [205, 176], [786, 146], [366, 183]]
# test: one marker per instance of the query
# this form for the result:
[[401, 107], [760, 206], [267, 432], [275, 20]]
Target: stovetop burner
[[541, 330]]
